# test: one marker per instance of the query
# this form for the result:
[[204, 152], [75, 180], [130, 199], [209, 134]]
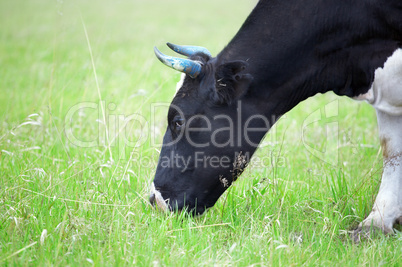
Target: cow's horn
[[189, 50], [190, 67]]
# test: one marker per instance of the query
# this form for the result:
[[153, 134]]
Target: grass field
[[74, 177]]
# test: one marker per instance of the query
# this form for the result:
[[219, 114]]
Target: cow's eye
[[178, 122]]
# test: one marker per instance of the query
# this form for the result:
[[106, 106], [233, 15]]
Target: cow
[[285, 52]]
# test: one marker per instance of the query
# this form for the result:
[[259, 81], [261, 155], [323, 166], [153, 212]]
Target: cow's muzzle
[[157, 200]]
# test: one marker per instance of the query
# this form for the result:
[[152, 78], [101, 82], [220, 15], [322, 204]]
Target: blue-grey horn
[[189, 50], [190, 67]]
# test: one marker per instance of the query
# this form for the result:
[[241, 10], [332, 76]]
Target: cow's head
[[205, 147]]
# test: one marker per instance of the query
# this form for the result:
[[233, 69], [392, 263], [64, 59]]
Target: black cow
[[285, 52]]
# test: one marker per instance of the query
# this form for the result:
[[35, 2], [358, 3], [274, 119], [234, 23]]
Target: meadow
[[82, 114]]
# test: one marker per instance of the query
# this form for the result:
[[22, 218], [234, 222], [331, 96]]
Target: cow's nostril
[[152, 199]]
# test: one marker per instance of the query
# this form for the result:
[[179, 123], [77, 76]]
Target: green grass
[[62, 204]]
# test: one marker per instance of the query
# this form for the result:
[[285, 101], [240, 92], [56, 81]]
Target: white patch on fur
[[180, 83], [387, 86], [160, 202], [387, 100]]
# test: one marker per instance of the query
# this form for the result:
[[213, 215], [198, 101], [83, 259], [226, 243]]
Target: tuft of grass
[[71, 193]]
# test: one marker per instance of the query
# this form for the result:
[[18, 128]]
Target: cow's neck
[[321, 47]]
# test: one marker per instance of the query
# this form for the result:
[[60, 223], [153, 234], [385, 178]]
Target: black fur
[[285, 52], [231, 82]]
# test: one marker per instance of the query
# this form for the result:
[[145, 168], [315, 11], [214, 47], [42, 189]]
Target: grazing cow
[[285, 52]]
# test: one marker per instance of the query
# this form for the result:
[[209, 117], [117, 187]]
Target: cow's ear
[[231, 82]]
